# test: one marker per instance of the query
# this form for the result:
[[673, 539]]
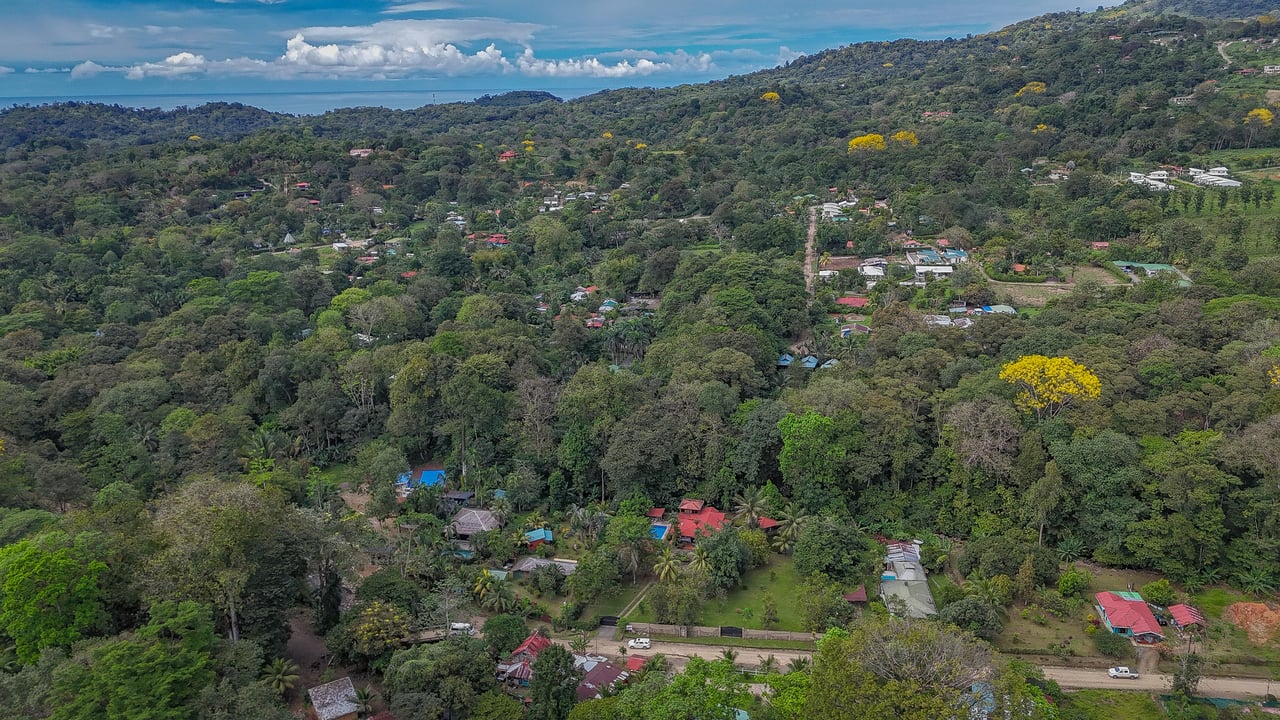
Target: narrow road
[[678, 655], [1227, 687], [1222, 50], [811, 252]]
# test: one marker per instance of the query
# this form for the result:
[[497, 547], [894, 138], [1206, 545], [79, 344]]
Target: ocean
[[295, 103]]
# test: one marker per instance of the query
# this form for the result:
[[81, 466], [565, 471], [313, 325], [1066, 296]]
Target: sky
[[70, 49]]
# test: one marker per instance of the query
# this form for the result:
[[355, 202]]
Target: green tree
[[50, 596], [727, 558], [440, 680], [281, 674], [502, 633], [811, 458], [156, 674], [554, 687]]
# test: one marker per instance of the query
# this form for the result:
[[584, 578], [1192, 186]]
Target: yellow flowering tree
[[906, 138], [1034, 87], [1273, 374], [1255, 120], [771, 97], [1049, 384], [870, 142]]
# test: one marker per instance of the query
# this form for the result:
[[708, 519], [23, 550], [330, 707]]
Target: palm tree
[[750, 506], [1070, 549], [281, 674], [579, 644], [666, 567], [729, 654], [364, 701], [986, 590], [500, 597], [791, 522], [629, 559], [768, 664], [698, 561], [798, 664], [501, 509], [485, 584]]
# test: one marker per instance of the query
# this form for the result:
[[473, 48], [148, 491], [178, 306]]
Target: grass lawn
[[1113, 704], [613, 604], [744, 607], [740, 642]]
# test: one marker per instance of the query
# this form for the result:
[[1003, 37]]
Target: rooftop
[[334, 700]]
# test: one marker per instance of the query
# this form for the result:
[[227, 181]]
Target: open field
[[744, 607], [1111, 704], [1037, 294]]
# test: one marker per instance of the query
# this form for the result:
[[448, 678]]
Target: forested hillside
[[225, 334]]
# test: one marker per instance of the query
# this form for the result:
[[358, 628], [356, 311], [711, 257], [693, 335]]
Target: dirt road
[[1071, 678], [679, 653], [1228, 687]]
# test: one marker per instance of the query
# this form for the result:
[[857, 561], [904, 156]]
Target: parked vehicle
[[639, 644], [461, 629], [1122, 672]]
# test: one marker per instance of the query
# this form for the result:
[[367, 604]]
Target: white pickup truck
[[1122, 672]]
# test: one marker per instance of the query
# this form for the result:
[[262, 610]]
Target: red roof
[[859, 595], [1131, 614], [767, 523], [691, 505], [507, 154], [1186, 615], [853, 301], [704, 522], [409, 274], [636, 662], [590, 289], [656, 512], [534, 644]]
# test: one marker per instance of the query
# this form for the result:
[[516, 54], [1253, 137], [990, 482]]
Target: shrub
[[1073, 582], [1158, 592], [1112, 645]]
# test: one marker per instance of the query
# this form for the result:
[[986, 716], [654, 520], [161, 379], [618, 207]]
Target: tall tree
[[554, 688]]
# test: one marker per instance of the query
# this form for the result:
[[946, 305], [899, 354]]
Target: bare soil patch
[[1258, 620]]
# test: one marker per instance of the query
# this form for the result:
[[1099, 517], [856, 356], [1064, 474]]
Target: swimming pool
[[659, 530]]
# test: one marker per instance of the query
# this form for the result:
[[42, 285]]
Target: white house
[[1158, 175], [1219, 172], [1271, 69], [871, 271]]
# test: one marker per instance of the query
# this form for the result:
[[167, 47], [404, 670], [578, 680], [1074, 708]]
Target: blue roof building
[[809, 362], [785, 360]]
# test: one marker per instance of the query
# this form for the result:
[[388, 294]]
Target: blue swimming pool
[[659, 530]]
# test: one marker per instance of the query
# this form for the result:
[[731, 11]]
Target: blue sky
[[77, 48]]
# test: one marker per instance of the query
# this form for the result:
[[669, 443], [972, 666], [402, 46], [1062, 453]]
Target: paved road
[[1071, 678]]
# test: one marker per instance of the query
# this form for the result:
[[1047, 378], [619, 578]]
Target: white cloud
[[417, 7], [5, 70], [406, 48], [46, 70], [89, 68]]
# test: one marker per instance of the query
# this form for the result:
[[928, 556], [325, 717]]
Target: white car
[[639, 644], [1122, 672]]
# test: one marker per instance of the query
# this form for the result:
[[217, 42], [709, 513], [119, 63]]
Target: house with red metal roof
[[1126, 613], [517, 669], [1186, 616]]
